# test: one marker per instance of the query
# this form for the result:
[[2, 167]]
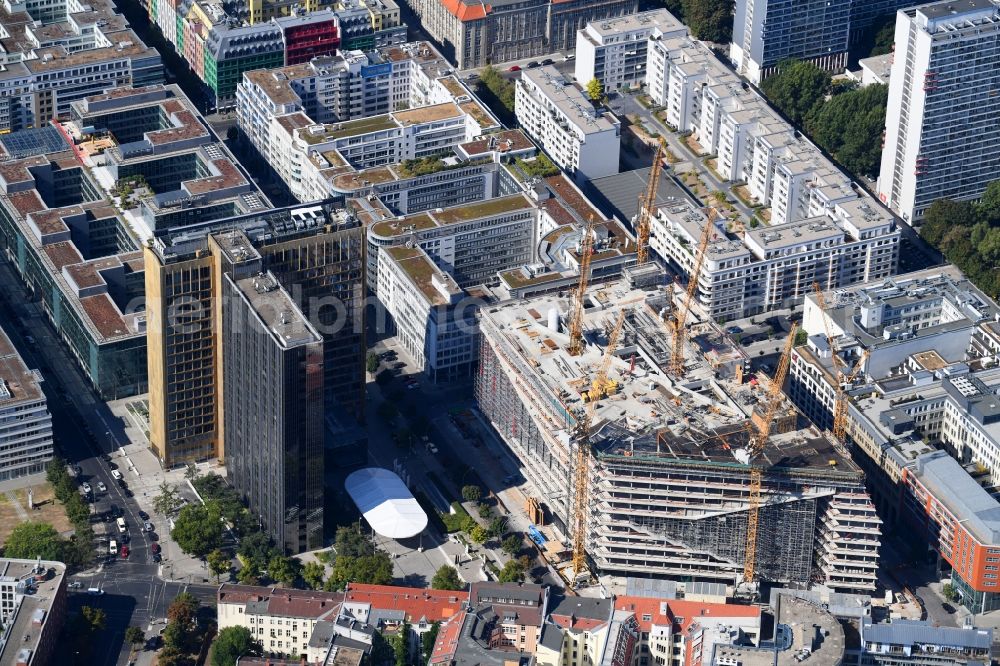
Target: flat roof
[[386, 503], [967, 501], [17, 382]]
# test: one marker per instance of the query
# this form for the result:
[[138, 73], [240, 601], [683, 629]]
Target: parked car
[[143, 515], [124, 552], [514, 68], [157, 557], [116, 474], [532, 64], [148, 526], [86, 488], [101, 487], [547, 61], [155, 547]]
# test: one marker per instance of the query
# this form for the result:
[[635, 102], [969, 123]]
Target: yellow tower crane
[[758, 441], [679, 321], [647, 206], [576, 317], [842, 376], [600, 388]]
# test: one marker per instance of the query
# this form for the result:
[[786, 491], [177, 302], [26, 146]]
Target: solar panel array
[[37, 141]]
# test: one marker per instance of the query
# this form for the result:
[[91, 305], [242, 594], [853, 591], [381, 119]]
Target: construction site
[[653, 452]]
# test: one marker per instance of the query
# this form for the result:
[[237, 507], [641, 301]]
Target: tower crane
[[600, 387], [759, 436], [576, 317], [679, 321], [842, 376], [647, 204]]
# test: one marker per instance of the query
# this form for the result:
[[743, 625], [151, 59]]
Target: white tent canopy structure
[[386, 503]]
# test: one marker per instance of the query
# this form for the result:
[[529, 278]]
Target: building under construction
[[668, 488]]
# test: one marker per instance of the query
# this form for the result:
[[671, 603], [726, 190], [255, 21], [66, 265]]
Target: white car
[[116, 474], [86, 488], [101, 487]]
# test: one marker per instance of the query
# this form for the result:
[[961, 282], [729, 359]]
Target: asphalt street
[[84, 431]]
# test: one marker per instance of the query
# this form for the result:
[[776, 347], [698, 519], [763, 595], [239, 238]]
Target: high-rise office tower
[[255, 332], [942, 139]]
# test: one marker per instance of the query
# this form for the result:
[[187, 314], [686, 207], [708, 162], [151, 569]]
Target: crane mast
[[599, 389], [842, 378], [680, 316], [647, 204], [576, 318], [758, 441]]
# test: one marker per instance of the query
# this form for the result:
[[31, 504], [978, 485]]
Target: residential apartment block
[[32, 611], [560, 118], [473, 33], [25, 422], [315, 253], [315, 121], [59, 52], [613, 51], [766, 32], [221, 41], [941, 140], [921, 410]]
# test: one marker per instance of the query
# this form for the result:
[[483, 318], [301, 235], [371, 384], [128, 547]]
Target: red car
[[515, 68], [155, 547], [124, 552]]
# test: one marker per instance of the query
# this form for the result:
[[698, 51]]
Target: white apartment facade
[[942, 139], [25, 422], [613, 51], [560, 118], [435, 319]]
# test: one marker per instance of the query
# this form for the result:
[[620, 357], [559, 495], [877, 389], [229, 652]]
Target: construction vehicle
[[679, 321], [760, 432], [576, 317], [598, 390], [647, 206], [842, 376]]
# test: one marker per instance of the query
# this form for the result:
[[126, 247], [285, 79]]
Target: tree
[[497, 92], [447, 578], [191, 471], [283, 569], [989, 205], [55, 472], [32, 540], [511, 545], [595, 90], [313, 574], [134, 635], [198, 530], [401, 645], [373, 569], [849, 126], [351, 542], [96, 618], [949, 592], [183, 610], [945, 214], [479, 534], [885, 36], [512, 572], [428, 639], [256, 546], [167, 501], [472, 493], [371, 363], [218, 563], [497, 527], [233, 643], [796, 88], [710, 20], [249, 573]]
